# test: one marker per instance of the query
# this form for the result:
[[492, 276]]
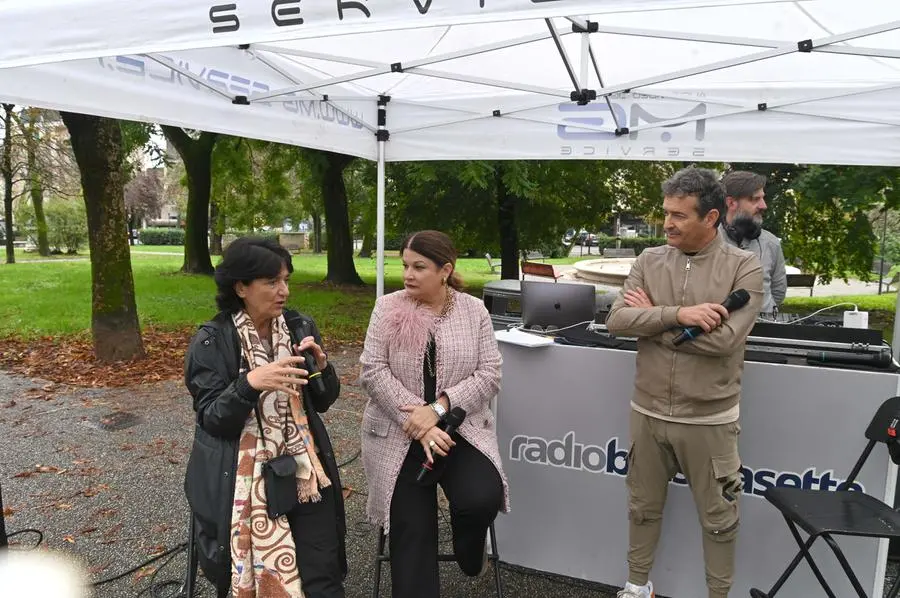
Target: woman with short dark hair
[[259, 378], [430, 348]]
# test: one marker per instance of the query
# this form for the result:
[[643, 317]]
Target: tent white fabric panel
[[490, 90], [141, 88], [71, 29]]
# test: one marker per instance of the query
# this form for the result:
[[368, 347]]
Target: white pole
[[585, 59], [382, 136], [379, 226]]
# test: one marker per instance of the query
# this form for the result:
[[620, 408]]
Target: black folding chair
[[383, 557], [825, 514]]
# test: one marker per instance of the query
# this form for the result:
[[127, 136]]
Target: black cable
[[155, 588], [29, 531], [177, 548], [351, 459]]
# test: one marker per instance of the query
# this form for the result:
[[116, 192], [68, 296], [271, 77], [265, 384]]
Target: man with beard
[[745, 201]]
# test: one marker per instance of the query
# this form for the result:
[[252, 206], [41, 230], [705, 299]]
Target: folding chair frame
[[383, 557], [804, 553]]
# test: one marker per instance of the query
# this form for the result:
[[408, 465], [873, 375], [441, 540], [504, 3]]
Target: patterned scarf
[[263, 554]]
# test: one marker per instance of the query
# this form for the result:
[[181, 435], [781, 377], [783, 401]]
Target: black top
[[429, 378]]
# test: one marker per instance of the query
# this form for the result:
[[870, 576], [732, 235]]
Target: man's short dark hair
[[743, 183], [247, 259], [702, 182]]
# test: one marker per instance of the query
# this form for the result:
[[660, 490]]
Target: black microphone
[[312, 366], [736, 300], [882, 359], [453, 420]]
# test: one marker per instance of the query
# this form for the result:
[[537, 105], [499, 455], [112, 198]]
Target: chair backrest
[[885, 427], [878, 269], [538, 269], [801, 280], [487, 256]]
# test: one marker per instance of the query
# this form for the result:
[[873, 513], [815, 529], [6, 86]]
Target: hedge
[[162, 236]]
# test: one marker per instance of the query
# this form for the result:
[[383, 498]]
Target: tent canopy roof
[[813, 81]]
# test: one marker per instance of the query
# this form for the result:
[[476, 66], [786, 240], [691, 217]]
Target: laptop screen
[[556, 304]]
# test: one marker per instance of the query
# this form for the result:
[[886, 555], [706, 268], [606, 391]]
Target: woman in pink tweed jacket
[[430, 348]]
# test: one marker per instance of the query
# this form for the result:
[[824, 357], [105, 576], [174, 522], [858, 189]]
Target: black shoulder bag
[[280, 475]]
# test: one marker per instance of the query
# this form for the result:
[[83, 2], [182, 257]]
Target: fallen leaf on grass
[[8, 511], [347, 491], [69, 538], [174, 461], [156, 550], [88, 530]]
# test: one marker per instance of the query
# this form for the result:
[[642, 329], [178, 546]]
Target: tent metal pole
[[585, 59], [379, 227], [562, 53], [382, 137], [381, 68]]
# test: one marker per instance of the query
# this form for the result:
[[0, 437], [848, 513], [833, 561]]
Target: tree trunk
[[97, 144], [368, 245], [215, 237], [7, 173], [341, 268], [197, 157], [35, 183], [317, 232], [509, 235]]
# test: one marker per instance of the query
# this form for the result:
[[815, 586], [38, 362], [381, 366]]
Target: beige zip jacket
[[701, 377]]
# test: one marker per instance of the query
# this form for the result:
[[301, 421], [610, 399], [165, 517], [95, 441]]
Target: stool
[[493, 557], [190, 576]]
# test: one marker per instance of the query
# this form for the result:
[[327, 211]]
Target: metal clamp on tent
[[583, 96], [241, 100], [805, 45], [592, 27]]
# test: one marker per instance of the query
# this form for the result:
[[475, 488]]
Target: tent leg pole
[[379, 226]]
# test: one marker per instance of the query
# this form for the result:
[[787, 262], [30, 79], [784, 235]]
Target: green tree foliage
[[66, 225]]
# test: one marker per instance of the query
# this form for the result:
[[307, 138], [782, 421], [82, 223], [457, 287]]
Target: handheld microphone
[[312, 366], [736, 300], [453, 420], [876, 360]]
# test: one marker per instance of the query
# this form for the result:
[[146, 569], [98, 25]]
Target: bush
[[162, 236], [66, 225]]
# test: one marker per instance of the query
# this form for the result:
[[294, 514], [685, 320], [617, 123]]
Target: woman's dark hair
[[247, 259], [437, 247]]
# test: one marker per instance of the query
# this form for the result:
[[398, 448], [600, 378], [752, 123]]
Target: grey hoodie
[[767, 248]]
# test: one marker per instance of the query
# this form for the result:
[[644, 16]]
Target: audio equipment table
[[562, 426]]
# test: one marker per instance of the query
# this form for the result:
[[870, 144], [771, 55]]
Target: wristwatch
[[439, 409]]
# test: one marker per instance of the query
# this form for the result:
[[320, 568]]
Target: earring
[[443, 282]]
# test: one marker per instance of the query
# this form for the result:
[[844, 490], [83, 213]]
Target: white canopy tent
[[393, 80]]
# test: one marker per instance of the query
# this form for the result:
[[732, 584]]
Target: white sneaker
[[633, 591]]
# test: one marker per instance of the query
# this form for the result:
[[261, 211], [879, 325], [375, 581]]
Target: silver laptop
[[556, 304]]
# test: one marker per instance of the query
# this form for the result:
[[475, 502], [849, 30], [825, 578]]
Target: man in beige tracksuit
[[686, 401]]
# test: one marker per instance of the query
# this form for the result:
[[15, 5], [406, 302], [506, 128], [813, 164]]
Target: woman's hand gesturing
[[280, 375]]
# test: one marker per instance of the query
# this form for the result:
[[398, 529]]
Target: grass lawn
[[54, 298]]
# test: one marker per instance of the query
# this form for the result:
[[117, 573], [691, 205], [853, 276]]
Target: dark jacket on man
[[216, 377]]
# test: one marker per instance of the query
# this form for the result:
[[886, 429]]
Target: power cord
[[172, 551]]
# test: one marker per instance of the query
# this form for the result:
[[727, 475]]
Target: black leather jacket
[[223, 400]]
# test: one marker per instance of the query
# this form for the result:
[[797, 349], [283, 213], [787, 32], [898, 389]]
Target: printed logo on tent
[[231, 83], [631, 115], [612, 459]]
